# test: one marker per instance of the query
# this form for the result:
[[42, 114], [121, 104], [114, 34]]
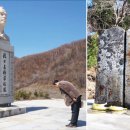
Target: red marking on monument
[[101, 89]]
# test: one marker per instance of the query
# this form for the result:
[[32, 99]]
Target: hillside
[[38, 71]]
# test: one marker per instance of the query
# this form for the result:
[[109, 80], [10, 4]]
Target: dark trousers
[[75, 107]]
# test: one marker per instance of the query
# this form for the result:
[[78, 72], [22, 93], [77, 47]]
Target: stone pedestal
[[11, 111], [127, 71], [6, 72], [110, 69]]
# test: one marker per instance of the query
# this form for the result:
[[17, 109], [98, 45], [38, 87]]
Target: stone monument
[[6, 64], [127, 71], [110, 69], [7, 72]]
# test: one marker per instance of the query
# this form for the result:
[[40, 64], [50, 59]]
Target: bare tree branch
[[120, 14]]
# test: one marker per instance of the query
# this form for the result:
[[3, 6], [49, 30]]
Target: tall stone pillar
[[6, 72], [110, 69], [127, 70], [6, 63]]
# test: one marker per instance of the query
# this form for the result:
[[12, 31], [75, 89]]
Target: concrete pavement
[[107, 121], [43, 115]]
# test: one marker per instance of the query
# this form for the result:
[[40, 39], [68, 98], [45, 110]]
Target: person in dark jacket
[[72, 97]]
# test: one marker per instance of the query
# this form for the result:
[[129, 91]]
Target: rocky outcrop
[[91, 76]]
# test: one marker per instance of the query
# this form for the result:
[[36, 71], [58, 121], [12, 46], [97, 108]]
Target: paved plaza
[[42, 115], [107, 121]]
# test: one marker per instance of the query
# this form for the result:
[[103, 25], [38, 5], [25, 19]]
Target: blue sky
[[39, 26]]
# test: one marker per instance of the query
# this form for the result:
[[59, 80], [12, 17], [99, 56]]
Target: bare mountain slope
[[67, 62]]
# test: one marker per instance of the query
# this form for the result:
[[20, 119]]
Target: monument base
[[10, 111]]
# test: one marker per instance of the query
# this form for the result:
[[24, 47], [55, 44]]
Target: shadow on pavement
[[81, 123], [30, 109], [89, 103]]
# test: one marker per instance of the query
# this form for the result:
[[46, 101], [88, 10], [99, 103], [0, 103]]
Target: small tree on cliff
[[106, 14]]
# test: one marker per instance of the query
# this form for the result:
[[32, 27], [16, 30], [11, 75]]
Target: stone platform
[[10, 111]]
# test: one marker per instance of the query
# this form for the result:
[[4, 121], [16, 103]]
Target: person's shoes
[[71, 125]]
